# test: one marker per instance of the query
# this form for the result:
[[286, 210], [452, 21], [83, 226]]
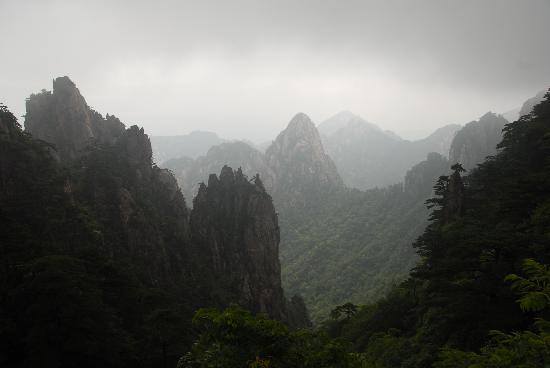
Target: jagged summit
[[234, 222], [64, 119], [228, 243]]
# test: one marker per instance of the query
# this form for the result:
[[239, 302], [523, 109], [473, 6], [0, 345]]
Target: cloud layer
[[243, 68]]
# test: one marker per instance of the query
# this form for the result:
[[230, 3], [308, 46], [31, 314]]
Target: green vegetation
[[81, 285], [482, 227], [234, 338], [66, 299], [356, 246]]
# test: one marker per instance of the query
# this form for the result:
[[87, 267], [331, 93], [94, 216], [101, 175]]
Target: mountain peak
[[64, 119], [477, 140], [299, 161], [300, 123], [64, 83]]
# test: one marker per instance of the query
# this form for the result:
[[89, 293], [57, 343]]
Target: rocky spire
[[234, 221]]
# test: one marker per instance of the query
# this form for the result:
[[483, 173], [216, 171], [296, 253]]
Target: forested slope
[[484, 226]]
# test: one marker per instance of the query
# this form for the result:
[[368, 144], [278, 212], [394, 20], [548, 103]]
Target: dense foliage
[[482, 228], [65, 300], [353, 245], [233, 338]]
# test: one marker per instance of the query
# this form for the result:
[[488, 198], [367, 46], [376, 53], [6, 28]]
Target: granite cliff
[[225, 251], [234, 222]]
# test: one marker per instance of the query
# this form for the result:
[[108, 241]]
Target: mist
[[243, 68]]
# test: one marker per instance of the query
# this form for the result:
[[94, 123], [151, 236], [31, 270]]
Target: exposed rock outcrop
[[64, 119], [302, 169], [191, 172], [225, 251], [234, 221], [477, 140]]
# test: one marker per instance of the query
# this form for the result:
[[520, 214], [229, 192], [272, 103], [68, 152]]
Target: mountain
[[477, 140], [477, 297], [301, 167], [367, 157], [191, 145], [295, 168], [515, 114], [356, 245], [528, 105], [101, 252], [329, 234], [191, 172], [64, 119], [234, 220]]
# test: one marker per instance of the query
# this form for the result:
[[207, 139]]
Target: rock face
[[368, 157], [234, 221], [295, 169], [302, 168], [225, 251], [64, 119], [477, 140]]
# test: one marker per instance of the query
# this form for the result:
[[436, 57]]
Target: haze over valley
[[286, 184]]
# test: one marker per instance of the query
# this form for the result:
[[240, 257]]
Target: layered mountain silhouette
[[190, 145], [368, 157], [477, 140], [339, 243], [92, 228]]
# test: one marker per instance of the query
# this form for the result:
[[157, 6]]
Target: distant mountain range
[[340, 243], [191, 145], [368, 157]]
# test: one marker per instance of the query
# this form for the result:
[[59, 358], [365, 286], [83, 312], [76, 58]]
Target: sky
[[243, 68]]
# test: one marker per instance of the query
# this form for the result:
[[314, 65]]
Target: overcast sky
[[244, 68]]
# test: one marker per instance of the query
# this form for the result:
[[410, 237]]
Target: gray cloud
[[243, 68]]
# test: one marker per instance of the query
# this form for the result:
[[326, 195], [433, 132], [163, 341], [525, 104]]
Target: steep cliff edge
[[234, 222], [63, 118], [225, 251]]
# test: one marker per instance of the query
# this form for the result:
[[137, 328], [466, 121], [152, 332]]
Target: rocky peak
[[477, 140], [299, 161], [300, 137], [64, 119], [136, 146], [234, 222], [190, 171]]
